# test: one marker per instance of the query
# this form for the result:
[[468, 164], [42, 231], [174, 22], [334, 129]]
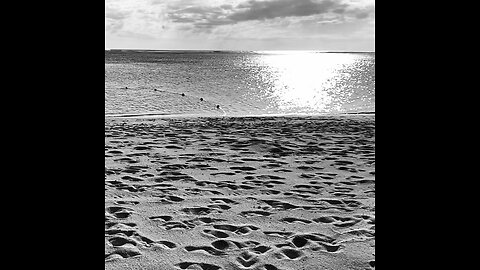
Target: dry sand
[[240, 193]]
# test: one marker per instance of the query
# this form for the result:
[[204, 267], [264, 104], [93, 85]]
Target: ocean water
[[238, 83]]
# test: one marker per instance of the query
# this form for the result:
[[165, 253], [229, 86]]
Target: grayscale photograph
[[240, 134]]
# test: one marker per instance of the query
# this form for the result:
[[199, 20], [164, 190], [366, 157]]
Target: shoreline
[[240, 192]]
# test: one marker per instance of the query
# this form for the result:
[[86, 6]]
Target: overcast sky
[[339, 25]]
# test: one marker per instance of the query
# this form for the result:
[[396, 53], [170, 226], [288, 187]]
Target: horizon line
[[229, 50]]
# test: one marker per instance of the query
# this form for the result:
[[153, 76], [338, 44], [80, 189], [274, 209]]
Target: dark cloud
[[262, 10], [203, 17]]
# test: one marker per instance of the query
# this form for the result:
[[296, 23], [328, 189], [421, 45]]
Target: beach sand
[[240, 193]]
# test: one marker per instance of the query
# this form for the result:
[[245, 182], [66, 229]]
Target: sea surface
[[142, 83]]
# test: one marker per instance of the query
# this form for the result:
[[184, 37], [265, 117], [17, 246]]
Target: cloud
[[237, 23], [200, 16], [253, 10], [133, 19], [114, 19], [262, 10], [114, 14]]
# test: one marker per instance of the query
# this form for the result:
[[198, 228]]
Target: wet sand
[[240, 193]]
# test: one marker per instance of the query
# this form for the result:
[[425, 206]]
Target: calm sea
[[238, 83]]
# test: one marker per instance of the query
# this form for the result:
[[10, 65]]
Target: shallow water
[[240, 83]]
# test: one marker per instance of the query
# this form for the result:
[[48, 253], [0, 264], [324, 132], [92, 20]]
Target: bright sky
[[338, 25]]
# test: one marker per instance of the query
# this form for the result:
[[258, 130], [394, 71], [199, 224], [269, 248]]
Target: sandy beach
[[262, 193]]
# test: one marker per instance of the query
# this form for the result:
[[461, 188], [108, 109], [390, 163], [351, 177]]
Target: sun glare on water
[[307, 81]]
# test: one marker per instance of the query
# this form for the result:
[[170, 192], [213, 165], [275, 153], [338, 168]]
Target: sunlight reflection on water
[[242, 83], [308, 82]]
